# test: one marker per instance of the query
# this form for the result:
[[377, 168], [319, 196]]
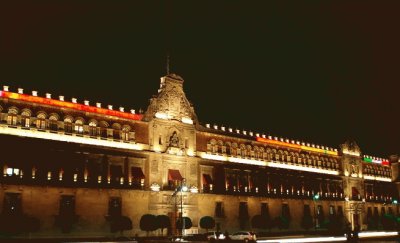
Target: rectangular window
[[12, 204], [116, 134], [93, 131], [125, 135], [137, 176], [68, 127], [243, 210], [25, 122], [53, 125], [174, 178], [219, 210], [12, 119], [115, 207], [186, 143], [103, 132], [78, 129], [116, 174], [13, 172], [285, 211], [159, 140], [264, 210], [332, 210], [67, 205], [41, 124]]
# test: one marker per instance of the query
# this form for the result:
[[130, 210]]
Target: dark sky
[[317, 71]]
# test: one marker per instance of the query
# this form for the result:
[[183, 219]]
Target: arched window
[[41, 121], [68, 124], [214, 147], [25, 118], [12, 116], [93, 128], [125, 133], [78, 126], [116, 131], [103, 129], [228, 148], [53, 122]]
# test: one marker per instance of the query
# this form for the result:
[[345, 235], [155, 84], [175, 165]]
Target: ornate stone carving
[[171, 101], [351, 148]]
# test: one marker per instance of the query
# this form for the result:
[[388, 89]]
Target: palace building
[[71, 168]]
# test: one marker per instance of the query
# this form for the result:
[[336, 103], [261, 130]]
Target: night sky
[[320, 72]]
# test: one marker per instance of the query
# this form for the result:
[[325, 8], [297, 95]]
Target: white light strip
[[295, 167], [187, 120], [367, 177], [345, 151], [376, 234], [311, 239], [247, 161], [68, 138], [214, 157], [264, 163]]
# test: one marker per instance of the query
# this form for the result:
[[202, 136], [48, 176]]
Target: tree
[[120, 223], [148, 223], [163, 222], [186, 220], [207, 222]]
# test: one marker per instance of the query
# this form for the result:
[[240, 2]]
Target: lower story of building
[[89, 212]]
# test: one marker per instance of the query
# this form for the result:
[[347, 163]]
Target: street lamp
[[181, 188], [316, 198]]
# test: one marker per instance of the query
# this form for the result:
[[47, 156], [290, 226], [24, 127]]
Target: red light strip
[[65, 104], [296, 146]]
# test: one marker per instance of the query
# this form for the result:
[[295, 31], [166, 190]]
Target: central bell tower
[[172, 119]]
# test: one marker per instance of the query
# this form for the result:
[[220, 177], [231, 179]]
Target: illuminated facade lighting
[[295, 146], [377, 178], [68, 138], [264, 163], [187, 120], [155, 187], [70, 105], [369, 159]]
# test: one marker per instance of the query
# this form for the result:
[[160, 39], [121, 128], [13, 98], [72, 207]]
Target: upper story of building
[[170, 126]]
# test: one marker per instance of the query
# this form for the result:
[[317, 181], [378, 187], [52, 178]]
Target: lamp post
[[315, 198], [181, 188]]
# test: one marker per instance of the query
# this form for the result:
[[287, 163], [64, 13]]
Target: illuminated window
[[53, 123], [125, 133], [25, 119], [68, 125], [93, 128], [13, 172], [78, 127], [12, 119], [12, 116], [41, 121]]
